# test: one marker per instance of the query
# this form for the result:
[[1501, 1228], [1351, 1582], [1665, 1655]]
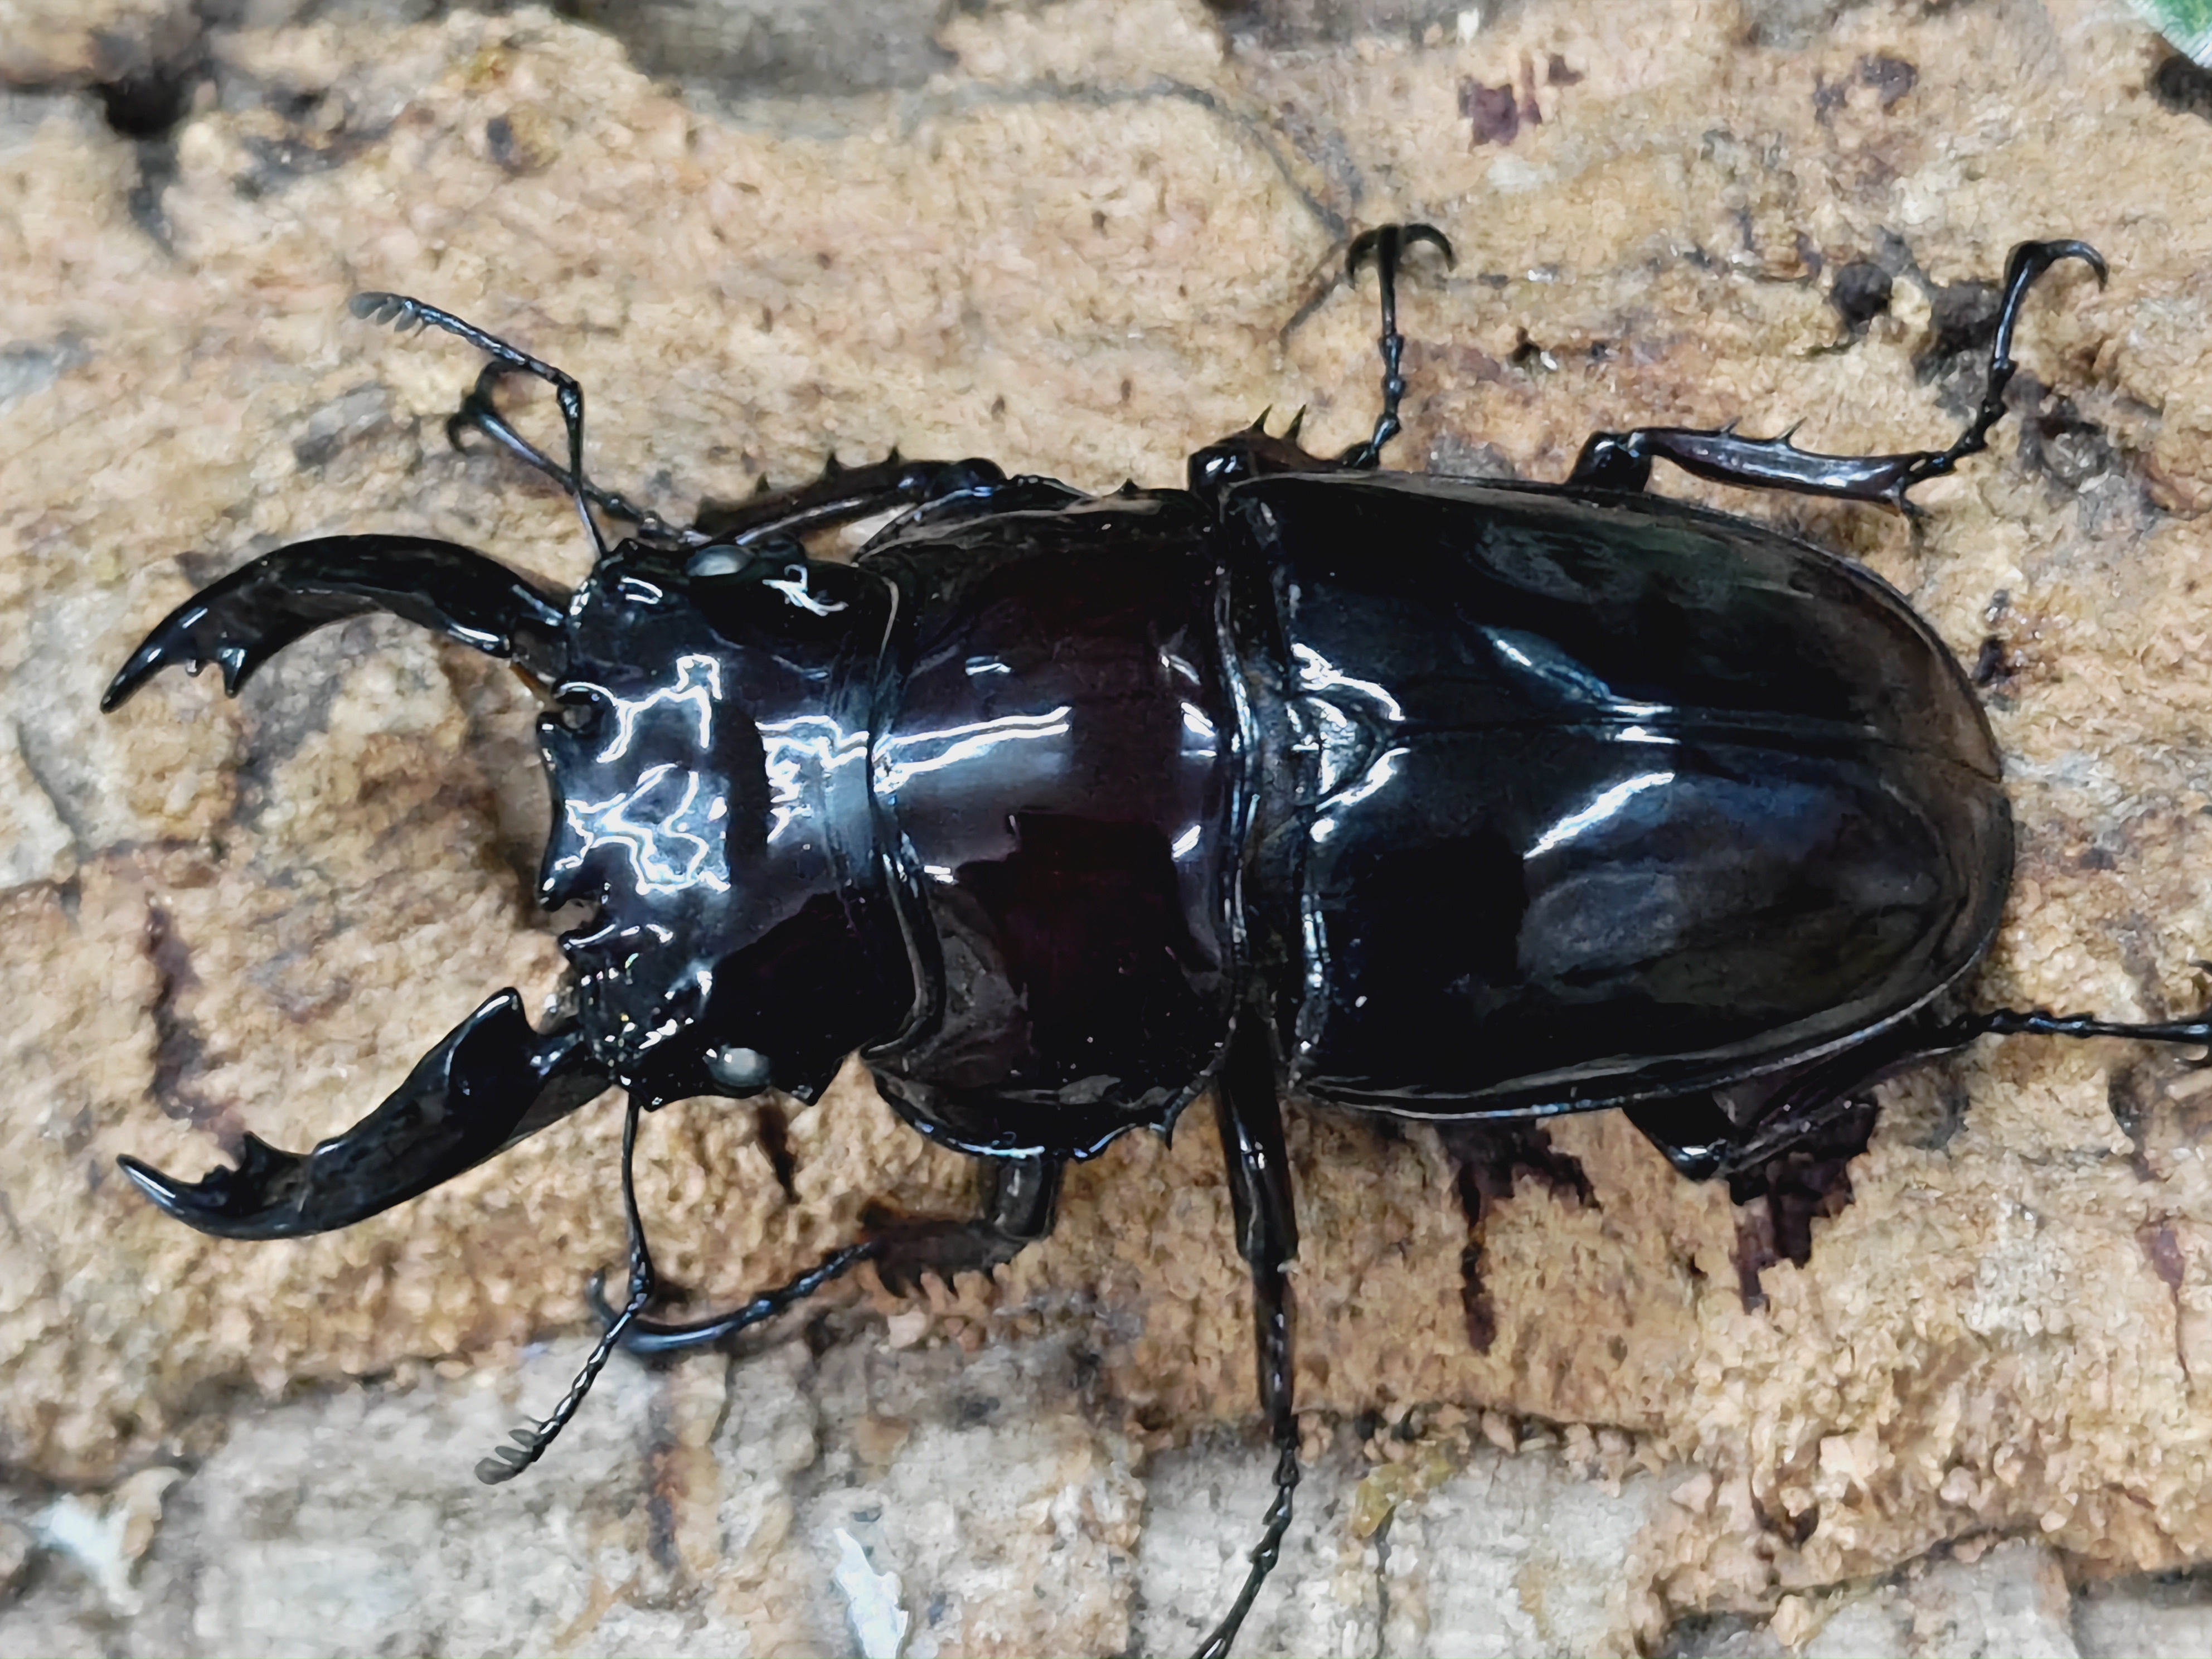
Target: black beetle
[[1445, 800]]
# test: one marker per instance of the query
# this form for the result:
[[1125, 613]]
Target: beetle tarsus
[[1385, 245], [2027, 261], [531, 1444], [400, 310], [1622, 460], [2193, 1032]]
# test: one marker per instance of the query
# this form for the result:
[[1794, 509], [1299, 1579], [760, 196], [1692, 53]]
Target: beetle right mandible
[[1447, 800]]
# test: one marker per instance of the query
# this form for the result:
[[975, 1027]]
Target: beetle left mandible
[[1454, 800]]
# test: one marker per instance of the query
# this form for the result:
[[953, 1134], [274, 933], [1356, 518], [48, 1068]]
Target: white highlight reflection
[[1317, 673], [1605, 806], [668, 849], [793, 585], [698, 687], [904, 759], [1376, 776], [801, 754]]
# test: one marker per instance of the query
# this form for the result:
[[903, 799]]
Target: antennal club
[[401, 310], [531, 1444]]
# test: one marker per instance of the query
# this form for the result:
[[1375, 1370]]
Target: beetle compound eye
[[578, 714], [717, 562], [745, 1070]]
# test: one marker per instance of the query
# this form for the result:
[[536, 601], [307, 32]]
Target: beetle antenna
[[401, 310], [531, 1444], [479, 412], [1384, 245]]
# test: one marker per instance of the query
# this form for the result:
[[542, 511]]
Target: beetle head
[[708, 762]]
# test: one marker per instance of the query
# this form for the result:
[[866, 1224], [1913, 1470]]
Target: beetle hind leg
[[1622, 460], [1784, 1142], [2194, 1032]]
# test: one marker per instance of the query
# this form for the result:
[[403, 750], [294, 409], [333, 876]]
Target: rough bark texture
[[1082, 239]]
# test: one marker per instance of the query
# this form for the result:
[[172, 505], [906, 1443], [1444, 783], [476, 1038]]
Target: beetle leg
[[241, 622], [1384, 245], [1787, 1137], [1622, 460], [1727, 1132], [1017, 1210], [845, 495], [1708, 1135], [492, 1081], [1251, 1123], [2195, 1032]]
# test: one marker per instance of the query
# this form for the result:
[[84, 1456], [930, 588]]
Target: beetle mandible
[[1447, 800]]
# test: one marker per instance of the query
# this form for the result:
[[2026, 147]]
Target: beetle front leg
[[1622, 460], [845, 495], [491, 1082], [526, 1446], [1251, 1123], [1018, 1209]]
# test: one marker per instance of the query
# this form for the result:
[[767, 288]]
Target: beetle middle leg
[[1018, 1208], [1622, 460], [1255, 452], [1251, 1123]]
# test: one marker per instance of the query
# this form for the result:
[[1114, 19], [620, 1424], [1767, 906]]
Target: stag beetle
[[1448, 800]]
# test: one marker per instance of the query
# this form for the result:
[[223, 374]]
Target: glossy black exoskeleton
[[1447, 800]]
